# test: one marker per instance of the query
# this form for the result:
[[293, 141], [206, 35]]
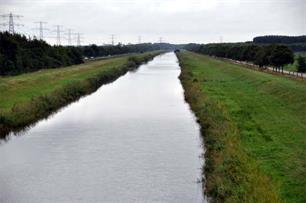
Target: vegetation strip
[[27, 98], [280, 57], [254, 127], [20, 54], [286, 73]]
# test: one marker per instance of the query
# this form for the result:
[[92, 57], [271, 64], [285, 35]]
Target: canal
[[134, 140]]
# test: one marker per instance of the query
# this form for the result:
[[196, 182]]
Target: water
[[134, 140]]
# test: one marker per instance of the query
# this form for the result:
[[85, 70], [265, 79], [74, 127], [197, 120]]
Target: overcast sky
[[176, 21]]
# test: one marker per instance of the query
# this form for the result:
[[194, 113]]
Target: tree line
[[278, 39], [295, 43], [20, 54], [271, 55]]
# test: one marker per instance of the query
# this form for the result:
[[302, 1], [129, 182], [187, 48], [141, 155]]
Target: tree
[[263, 55], [19, 54], [249, 52], [280, 56], [301, 64], [261, 58]]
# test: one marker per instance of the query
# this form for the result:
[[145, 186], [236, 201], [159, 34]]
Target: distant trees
[[280, 56], [301, 64], [295, 43], [278, 39], [262, 56], [275, 55], [192, 46], [19, 54]]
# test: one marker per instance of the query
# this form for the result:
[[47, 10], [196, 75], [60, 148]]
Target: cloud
[[178, 21]]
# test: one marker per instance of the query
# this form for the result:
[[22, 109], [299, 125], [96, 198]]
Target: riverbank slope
[[27, 98], [254, 129]]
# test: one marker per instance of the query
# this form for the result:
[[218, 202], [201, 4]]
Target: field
[[254, 128], [26, 98]]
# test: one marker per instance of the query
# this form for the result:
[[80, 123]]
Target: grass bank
[[26, 98], [254, 128]]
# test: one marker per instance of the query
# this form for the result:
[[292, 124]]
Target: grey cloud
[[177, 21]]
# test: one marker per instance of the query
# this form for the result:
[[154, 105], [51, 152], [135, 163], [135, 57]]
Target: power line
[[41, 29], [11, 23]]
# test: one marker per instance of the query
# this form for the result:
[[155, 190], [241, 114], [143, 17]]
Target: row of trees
[[274, 55], [278, 39], [295, 43], [19, 54]]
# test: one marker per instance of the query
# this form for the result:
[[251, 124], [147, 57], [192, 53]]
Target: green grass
[[293, 66], [22, 88], [254, 127], [29, 97]]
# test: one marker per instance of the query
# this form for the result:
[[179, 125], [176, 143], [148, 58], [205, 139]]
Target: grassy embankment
[[254, 128], [26, 98]]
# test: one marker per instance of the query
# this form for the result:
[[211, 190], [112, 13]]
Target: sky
[[176, 21]]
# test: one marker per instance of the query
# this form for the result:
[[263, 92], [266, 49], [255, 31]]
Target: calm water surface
[[134, 140]]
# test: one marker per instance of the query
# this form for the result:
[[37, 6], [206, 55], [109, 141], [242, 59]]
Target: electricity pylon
[[41, 29], [69, 33], [58, 34], [139, 39], [79, 38], [221, 39], [11, 22], [113, 39], [160, 40]]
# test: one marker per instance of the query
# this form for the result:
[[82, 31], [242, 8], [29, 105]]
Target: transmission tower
[[11, 17], [79, 38], [139, 39], [58, 34], [221, 39], [113, 39], [41, 29], [69, 33], [160, 40]]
